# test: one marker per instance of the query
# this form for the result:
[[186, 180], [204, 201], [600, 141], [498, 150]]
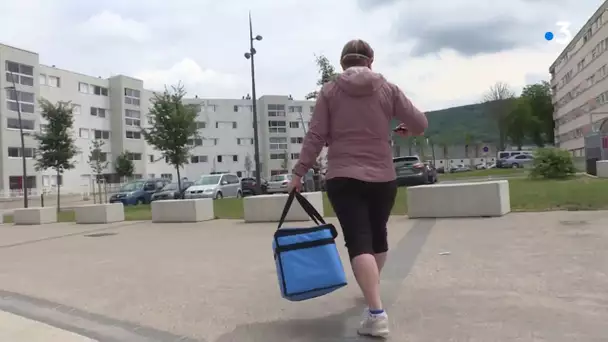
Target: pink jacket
[[353, 115]]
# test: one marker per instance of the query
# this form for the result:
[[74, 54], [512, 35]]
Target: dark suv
[[139, 191], [248, 186]]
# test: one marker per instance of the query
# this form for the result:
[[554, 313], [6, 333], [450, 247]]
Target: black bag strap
[[308, 208]]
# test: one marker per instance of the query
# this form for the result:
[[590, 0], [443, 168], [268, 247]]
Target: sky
[[441, 53]]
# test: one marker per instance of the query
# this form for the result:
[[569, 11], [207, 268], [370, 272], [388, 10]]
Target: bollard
[[42, 199]]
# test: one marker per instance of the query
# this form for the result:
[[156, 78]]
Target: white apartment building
[[113, 110], [579, 84]]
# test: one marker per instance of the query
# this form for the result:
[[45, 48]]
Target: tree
[[285, 161], [520, 122], [499, 99], [327, 73], [248, 165], [172, 127], [56, 145], [124, 166], [98, 163], [468, 141], [538, 97]]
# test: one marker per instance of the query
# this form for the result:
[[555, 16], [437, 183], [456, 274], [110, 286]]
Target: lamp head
[[247, 55], [258, 37]]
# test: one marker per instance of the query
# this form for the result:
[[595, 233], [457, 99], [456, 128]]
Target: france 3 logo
[[563, 37]]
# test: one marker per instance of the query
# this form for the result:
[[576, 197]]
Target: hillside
[[452, 124]]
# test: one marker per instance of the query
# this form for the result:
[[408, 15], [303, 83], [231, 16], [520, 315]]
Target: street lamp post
[[24, 184], [250, 55]]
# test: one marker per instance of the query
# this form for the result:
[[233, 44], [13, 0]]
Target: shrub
[[552, 163]]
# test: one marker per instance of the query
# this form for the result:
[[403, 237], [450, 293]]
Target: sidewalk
[[15, 328]]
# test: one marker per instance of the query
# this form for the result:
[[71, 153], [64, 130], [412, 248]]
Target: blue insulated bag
[[307, 260]]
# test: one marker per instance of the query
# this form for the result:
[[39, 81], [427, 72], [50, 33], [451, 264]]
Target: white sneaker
[[374, 325]]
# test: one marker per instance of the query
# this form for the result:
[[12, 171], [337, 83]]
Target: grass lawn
[[483, 173], [580, 193]]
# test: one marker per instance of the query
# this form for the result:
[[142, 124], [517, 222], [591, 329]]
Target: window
[[211, 108], [132, 97], [151, 160], [43, 128], [16, 182], [19, 73], [15, 152], [201, 124], [83, 87], [295, 156], [42, 79], [76, 109], [54, 81], [295, 109], [134, 156], [133, 135], [97, 90], [277, 127], [103, 157], [297, 140], [278, 143], [243, 109], [84, 133], [198, 159], [132, 118], [26, 100], [226, 124], [244, 141], [235, 158], [294, 124], [276, 110], [13, 123], [166, 176], [219, 159], [210, 141], [195, 142], [99, 112], [102, 134], [277, 156]]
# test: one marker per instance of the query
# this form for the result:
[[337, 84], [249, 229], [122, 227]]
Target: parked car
[[484, 166], [460, 168], [411, 170], [215, 186], [279, 183], [248, 185], [139, 191], [517, 161], [171, 191]]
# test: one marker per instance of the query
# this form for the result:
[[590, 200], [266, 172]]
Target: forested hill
[[453, 124]]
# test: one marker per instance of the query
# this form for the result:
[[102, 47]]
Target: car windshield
[[208, 180], [133, 186], [405, 161], [170, 186], [278, 178]]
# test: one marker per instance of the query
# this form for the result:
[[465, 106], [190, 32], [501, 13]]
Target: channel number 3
[[564, 30]]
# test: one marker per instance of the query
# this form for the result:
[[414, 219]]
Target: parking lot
[[522, 277]]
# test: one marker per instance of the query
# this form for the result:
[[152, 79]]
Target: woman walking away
[[352, 116]]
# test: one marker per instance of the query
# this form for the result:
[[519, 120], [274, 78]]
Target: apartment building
[[114, 109], [579, 84]]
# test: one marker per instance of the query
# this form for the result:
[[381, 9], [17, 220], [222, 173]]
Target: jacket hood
[[360, 81]]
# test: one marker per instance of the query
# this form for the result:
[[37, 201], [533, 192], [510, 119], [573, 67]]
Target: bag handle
[[308, 208]]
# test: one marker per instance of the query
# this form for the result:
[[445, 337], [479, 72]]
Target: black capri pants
[[363, 209]]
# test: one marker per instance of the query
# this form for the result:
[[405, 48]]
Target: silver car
[[278, 184], [522, 160], [215, 186]]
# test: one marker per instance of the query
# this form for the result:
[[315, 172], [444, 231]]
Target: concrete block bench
[[268, 208], [602, 168], [474, 199], [99, 213], [35, 216], [183, 210]]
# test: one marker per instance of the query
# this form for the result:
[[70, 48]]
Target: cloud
[[196, 80], [111, 26]]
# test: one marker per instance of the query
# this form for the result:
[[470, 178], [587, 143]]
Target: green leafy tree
[[98, 163], [56, 145], [173, 126], [538, 97], [285, 161], [499, 100], [123, 166], [327, 73], [520, 122], [552, 163]]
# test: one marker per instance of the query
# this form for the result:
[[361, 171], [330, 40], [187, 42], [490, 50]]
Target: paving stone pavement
[[522, 277]]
